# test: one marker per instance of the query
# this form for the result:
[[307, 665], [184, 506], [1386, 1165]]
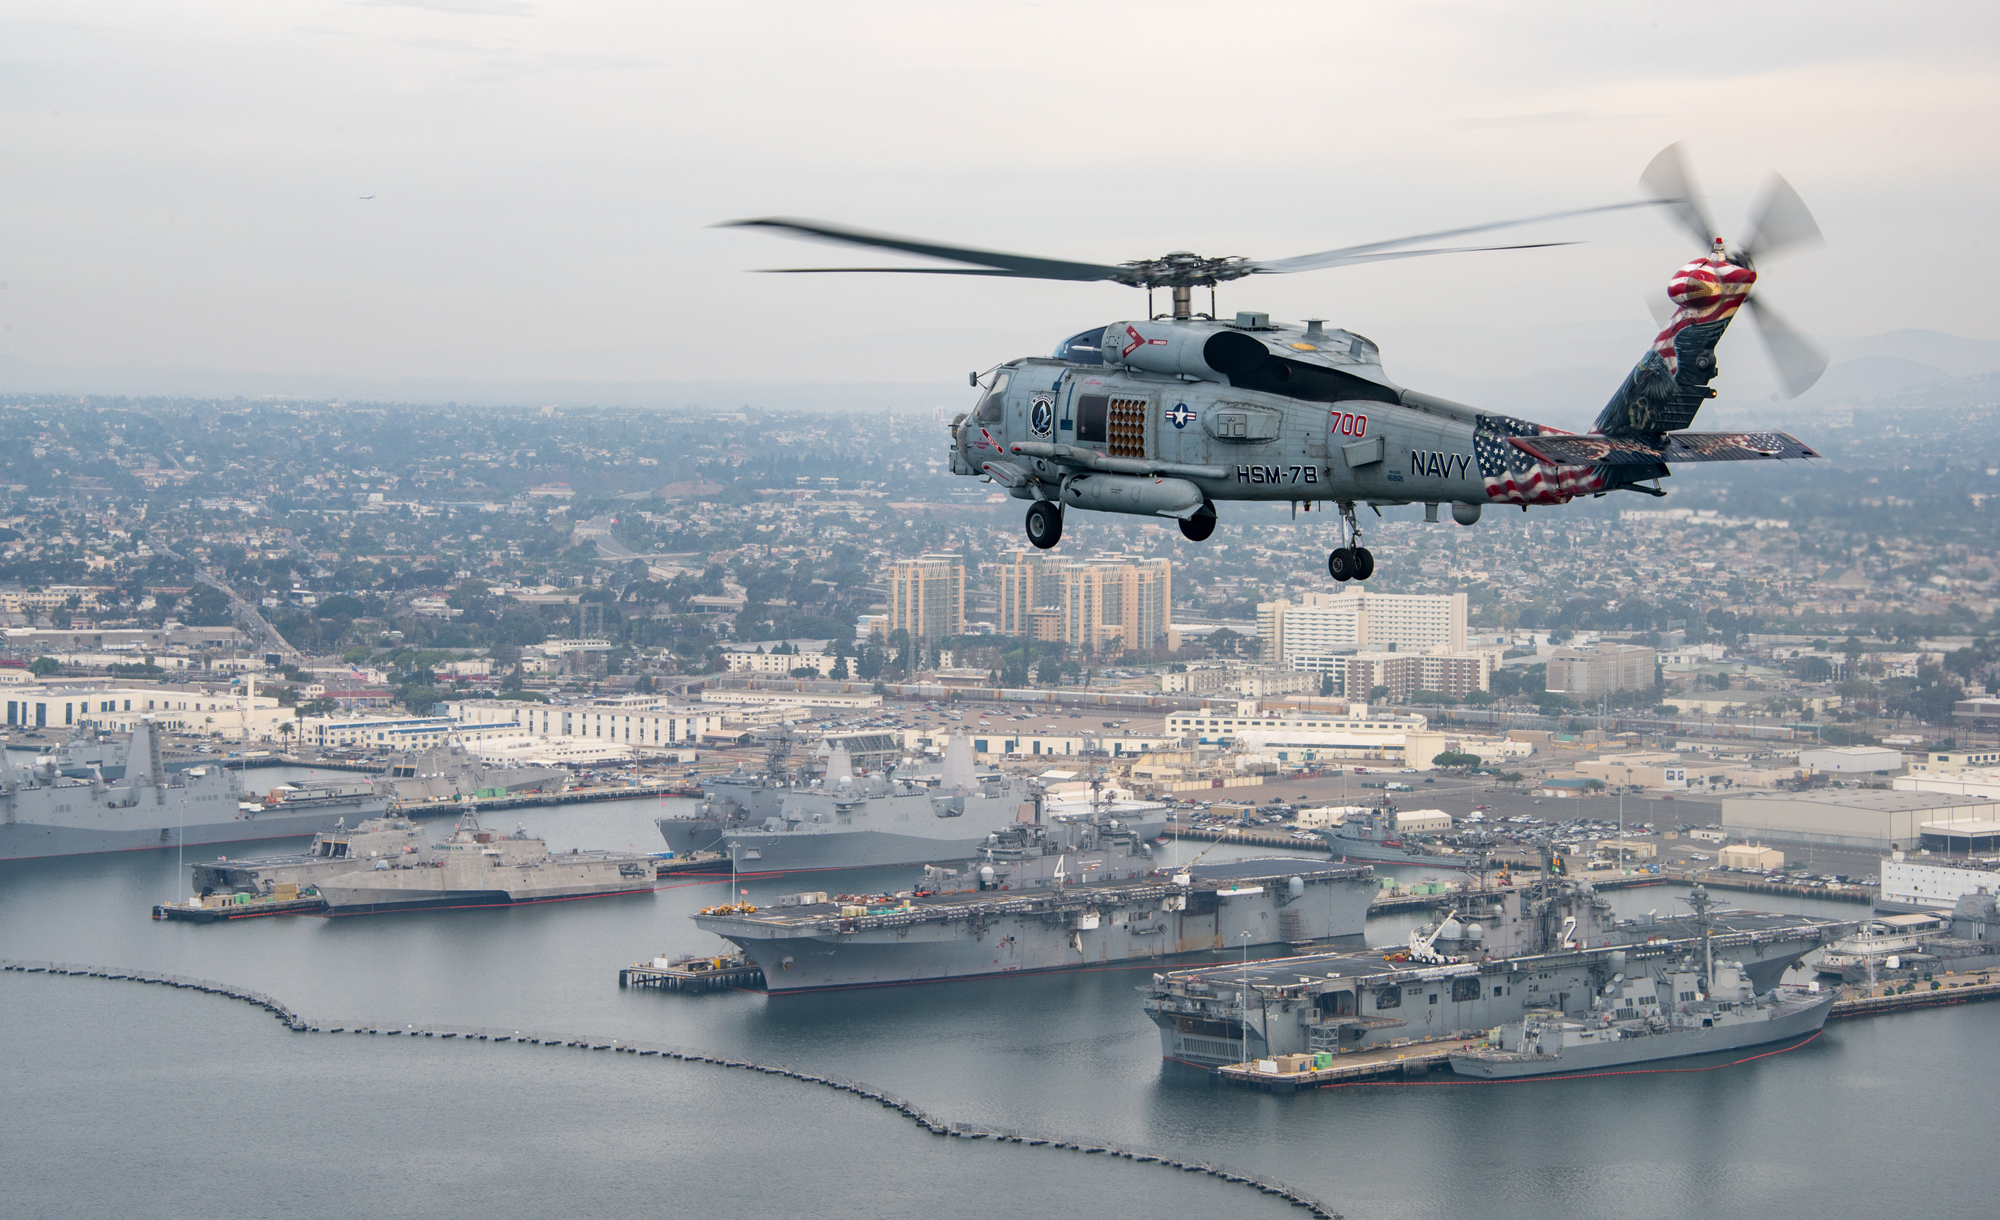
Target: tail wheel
[[1364, 563], [1044, 524], [1198, 527], [1340, 565]]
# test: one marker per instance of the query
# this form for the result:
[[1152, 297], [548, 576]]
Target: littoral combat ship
[[778, 823], [478, 868], [343, 849], [1044, 897], [1549, 947], [45, 813]]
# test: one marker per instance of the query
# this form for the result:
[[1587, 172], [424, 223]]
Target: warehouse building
[[1883, 821]]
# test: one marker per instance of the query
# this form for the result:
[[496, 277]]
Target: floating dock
[[727, 972]]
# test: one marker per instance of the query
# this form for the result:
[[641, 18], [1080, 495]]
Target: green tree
[[42, 667]]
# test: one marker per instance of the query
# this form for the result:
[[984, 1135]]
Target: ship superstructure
[[343, 849]]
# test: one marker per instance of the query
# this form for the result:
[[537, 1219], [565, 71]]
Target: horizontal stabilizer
[[1673, 447]]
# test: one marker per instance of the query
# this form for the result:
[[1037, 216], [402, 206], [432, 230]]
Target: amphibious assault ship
[[45, 813], [475, 867], [1489, 960], [1044, 897], [1696, 1006], [776, 822]]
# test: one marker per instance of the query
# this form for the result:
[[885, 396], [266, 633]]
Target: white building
[[641, 721], [376, 732], [779, 663], [233, 712], [1300, 735], [1928, 885], [1305, 634], [1851, 760]]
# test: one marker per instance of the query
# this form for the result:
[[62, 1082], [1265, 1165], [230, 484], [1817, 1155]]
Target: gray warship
[[1489, 958], [1697, 1006], [447, 773], [333, 852], [1374, 835], [45, 813], [777, 822], [1044, 897], [476, 867]]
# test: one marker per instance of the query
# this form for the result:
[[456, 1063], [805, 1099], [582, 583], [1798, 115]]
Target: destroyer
[[777, 823], [1487, 961], [1036, 903], [44, 813], [1374, 835], [476, 868]]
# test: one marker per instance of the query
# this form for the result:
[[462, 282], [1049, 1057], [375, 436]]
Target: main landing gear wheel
[[1350, 560], [1044, 524], [1198, 527]]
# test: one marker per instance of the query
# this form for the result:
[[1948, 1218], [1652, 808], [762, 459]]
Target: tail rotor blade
[[1662, 309], [1782, 221], [1668, 181], [1798, 359]]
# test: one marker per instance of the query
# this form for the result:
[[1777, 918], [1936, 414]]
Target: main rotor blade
[[1671, 184], [1345, 255], [896, 271], [1014, 264], [1782, 221], [1349, 260], [1799, 359]]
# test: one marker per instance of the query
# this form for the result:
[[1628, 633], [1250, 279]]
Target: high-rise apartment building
[[1311, 633], [927, 597], [1110, 601], [1586, 675]]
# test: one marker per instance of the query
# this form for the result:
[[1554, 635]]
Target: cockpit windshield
[[989, 406], [1086, 348]]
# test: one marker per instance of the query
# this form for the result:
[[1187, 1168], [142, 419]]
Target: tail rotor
[[1782, 222]]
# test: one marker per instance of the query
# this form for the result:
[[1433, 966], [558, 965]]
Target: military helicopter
[[1169, 415]]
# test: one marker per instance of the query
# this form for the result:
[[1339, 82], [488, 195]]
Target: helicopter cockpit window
[[989, 406], [1086, 348]]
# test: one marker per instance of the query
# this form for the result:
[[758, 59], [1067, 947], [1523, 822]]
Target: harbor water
[[145, 1101]]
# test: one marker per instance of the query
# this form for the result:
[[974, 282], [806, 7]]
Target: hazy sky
[[183, 182]]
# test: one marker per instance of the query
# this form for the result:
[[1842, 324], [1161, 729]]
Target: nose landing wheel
[[1044, 524], [1350, 562]]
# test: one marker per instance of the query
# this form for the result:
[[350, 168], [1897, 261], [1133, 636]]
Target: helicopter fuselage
[[1164, 418]]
